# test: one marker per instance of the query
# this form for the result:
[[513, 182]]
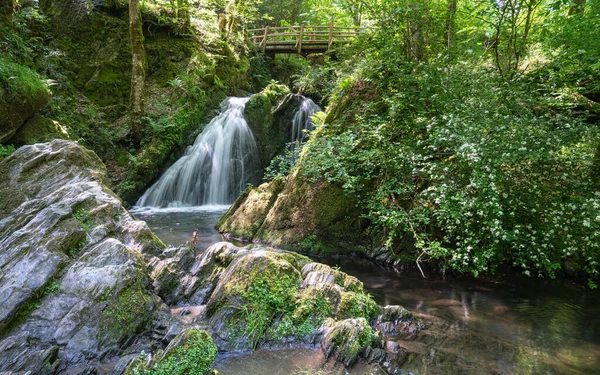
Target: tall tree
[[138, 73], [450, 15], [7, 8]]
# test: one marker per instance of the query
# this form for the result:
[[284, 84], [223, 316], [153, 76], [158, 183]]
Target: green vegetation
[[84, 218], [350, 338], [126, 312], [475, 139], [265, 298], [304, 316], [357, 305], [19, 80], [74, 250], [194, 356], [6, 150], [283, 164], [34, 302]]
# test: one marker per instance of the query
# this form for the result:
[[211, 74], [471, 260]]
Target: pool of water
[[513, 324], [498, 326], [176, 226], [297, 361]]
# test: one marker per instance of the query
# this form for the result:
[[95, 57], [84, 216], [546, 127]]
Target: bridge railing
[[295, 37]]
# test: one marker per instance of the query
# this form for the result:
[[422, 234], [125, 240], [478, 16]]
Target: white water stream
[[215, 169], [302, 121]]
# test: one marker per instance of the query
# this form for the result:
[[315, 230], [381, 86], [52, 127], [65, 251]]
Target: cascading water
[[302, 120], [215, 169]]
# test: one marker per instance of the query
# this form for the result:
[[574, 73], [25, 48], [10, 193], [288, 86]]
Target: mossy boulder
[[258, 296], [244, 219], [269, 114], [38, 129], [22, 94], [191, 352], [347, 339], [307, 217]]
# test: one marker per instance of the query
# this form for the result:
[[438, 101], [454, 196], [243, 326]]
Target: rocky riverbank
[[87, 288]]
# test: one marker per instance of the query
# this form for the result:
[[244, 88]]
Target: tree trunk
[[450, 23], [577, 7], [138, 73], [7, 8]]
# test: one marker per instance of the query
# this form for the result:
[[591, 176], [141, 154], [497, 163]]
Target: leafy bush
[[6, 150], [282, 164], [195, 356], [470, 168]]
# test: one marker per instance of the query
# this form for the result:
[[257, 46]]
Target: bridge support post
[[264, 43], [300, 39], [330, 40]]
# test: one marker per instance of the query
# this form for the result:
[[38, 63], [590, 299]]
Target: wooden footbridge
[[301, 39]]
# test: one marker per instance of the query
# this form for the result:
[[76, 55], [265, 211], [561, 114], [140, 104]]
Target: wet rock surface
[[255, 296], [73, 285]]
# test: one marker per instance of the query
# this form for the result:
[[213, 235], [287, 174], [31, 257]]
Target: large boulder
[[38, 129], [22, 94], [259, 296], [301, 216], [269, 126], [270, 114], [246, 216], [73, 285]]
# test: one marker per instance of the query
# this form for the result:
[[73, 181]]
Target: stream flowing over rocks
[[85, 287]]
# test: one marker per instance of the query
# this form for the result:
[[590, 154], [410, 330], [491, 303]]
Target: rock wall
[[297, 215], [73, 285]]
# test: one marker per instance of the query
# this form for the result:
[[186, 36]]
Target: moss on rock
[[347, 339], [39, 129], [249, 211], [127, 313], [312, 218], [191, 352], [267, 296], [270, 127], [22, 93]]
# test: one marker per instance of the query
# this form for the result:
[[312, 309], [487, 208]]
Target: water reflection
[[516, 326], [297, 361]]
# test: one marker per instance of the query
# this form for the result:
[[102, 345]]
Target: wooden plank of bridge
[[291, 39]]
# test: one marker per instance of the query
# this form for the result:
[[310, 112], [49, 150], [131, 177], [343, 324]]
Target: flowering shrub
[[478, 172]]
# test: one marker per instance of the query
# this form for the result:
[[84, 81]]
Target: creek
[[504, 326], [497, 326]]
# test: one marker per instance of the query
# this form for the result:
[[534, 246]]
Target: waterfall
[[302, 119], [300, 122], [215, 169]]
